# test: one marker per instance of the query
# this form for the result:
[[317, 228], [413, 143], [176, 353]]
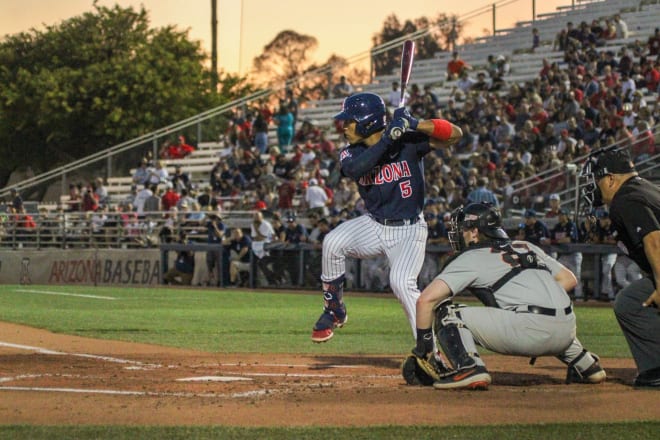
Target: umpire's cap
[[611, 161]]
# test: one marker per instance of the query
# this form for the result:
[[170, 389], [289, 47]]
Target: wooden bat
[[407, 56]]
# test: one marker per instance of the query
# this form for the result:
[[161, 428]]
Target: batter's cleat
[[648, 379], [593, 374], [475, 378], [330, 319]]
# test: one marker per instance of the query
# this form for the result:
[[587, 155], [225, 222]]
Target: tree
[[95, 80], [287, 60], [438, 39]]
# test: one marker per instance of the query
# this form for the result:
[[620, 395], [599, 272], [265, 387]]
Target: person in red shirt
[[285, 193], [170, 198], [456, 66]]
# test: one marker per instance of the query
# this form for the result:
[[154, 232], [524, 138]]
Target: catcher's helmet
[[483, 216], [367, 110], [601, 162]]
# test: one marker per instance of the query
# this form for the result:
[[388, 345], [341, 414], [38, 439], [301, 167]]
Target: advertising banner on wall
[[80, 266]]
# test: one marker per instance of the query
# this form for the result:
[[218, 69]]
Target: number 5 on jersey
[[406, 189]]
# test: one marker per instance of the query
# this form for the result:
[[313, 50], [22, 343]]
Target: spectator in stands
[[16, 199], [308, 133], [644, 144], [285, 126], [186, 200], [184, 265], [291, 103], [463, 86], [326, 146], [89, 201], [153, 203], [621, 27], [536, 39], [316, 199], [285, 193], [482, 194], [177, 151], [141, 175], [394, 97], [158, 175], [101, 192], [554, 206], [260, 130], [654, 43], [456, 66], [342, 89], [170, 198], [180, 180], [140, 199]]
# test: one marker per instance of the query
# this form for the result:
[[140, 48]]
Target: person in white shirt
[[316, 198], [262, 232], [394, 97], [142, 197]]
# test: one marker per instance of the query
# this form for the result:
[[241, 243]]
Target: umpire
[[635, 213]]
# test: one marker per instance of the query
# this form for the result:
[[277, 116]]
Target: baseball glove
[[417, 370]]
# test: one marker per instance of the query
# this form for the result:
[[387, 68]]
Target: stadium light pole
[[214, 43]]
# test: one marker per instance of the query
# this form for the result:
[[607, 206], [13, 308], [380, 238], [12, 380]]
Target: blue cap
[[530, 213]]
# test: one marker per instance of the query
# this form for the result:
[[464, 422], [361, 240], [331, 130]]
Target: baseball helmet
[[601, 162], [367, 110], [483, 216]]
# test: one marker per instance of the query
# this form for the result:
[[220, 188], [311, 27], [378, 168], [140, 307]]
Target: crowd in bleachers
[[512, 131]]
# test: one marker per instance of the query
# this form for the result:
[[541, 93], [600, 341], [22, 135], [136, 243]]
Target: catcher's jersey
[[394, 188], [481, 267]]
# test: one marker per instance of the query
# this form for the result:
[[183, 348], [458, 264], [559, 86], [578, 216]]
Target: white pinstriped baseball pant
[[363, 237]]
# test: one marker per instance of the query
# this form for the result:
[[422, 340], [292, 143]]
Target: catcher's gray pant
[[640, 325], [363, 237], [520, 333]]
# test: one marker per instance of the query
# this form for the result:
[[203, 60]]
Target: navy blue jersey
[[536, 232], [238, 245], [566, 230], [394, 187], [294, 235], [212, 236]]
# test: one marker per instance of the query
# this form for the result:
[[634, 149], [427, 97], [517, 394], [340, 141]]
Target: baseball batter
[[527, 313], [386, 162]]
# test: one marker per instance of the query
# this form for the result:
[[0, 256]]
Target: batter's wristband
[[441, 129]]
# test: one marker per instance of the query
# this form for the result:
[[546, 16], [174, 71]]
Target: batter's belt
[[543, 310], [397, 222]]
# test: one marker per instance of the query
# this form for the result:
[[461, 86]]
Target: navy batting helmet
[[367, 110], [483, 216]]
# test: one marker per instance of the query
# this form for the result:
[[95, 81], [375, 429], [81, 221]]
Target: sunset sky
[[344, 27]]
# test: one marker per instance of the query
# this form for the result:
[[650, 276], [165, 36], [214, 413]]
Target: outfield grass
[[238, 321]]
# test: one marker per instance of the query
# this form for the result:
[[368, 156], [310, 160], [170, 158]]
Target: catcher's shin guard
[[454, 339]]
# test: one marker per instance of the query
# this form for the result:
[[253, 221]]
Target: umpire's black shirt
[[635, 212]]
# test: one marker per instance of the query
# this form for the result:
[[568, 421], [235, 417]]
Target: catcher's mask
[[611, 160], [483, 216]]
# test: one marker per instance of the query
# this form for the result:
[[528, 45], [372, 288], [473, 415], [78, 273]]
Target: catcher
[[527, 313]]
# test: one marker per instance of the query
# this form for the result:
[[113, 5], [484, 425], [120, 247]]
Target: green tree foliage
[[443, 31], [95, 80]]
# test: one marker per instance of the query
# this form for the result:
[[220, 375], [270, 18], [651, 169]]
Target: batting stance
[[386, 162], [527, 313]]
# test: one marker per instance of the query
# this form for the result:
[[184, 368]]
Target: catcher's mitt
[[419, 371]]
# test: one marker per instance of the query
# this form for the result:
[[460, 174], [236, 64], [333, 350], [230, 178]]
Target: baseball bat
[[407, 55]]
